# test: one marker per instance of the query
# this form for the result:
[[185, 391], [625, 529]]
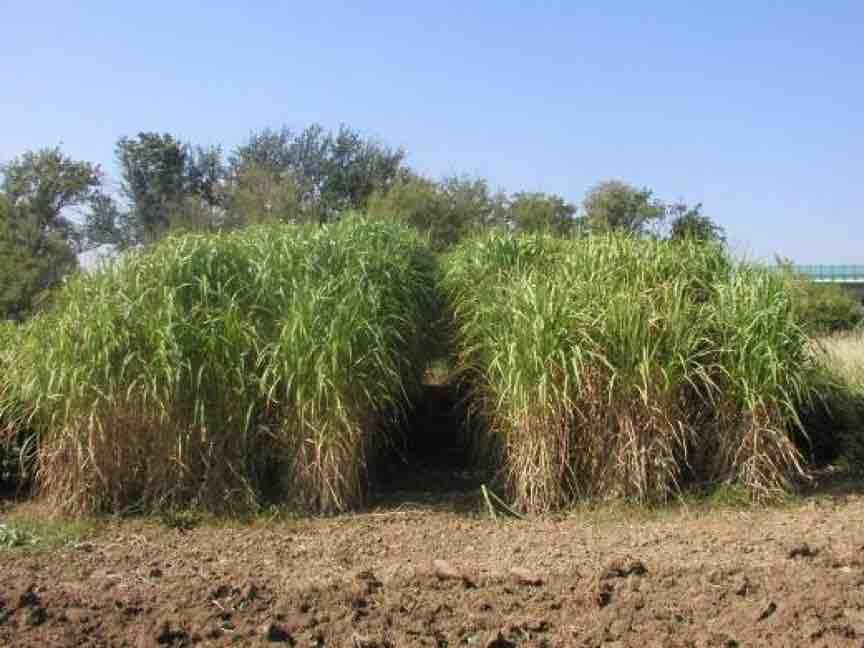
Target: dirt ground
[[418, 574]]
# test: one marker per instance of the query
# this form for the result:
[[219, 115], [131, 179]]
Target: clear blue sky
[[753, 108]]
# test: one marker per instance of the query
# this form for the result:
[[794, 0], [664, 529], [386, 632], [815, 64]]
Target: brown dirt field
[[778, 577]]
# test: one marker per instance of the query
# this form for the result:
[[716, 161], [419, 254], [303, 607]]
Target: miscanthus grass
[[10, 436], [618, 367], [223, 370], [9, 332]]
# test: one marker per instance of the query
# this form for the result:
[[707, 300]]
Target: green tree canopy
[[166, 183], [616, 205], [153, 170], [333, 171], [32, 259], [446, 211], [474, 202], [205, 173], [534, 212], [105, 223], [690, 223], [45, 185], [39, 192], [258, 194]]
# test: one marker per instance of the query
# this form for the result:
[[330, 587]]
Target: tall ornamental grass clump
[[13, 440], [221, 370], [8, 339], [612, 366]]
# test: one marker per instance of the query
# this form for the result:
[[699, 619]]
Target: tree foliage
[[258, 194], [445, 211], [38, 237], [474, 202], [690, 223], [540, 212], [153, 170], [821, 308], [105, 223], [166, 184], [333, 171], [614, 205], [205, 172], [32, 260], [44, 185]]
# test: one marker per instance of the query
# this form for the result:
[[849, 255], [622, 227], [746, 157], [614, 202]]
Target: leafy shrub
[[12, 537], [823, 308]]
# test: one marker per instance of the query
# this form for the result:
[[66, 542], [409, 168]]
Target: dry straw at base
[[220, 370], [10, 437], [619, 367]]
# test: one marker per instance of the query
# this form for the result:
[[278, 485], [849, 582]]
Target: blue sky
[[753, 108]]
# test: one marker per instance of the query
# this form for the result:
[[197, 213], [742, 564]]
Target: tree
[[445, 211], [332, 171], [153, 168], [38, 237], [534, 212], [689, 223], [616, 205], [105, 223], [205, 173], [258, 194], [357, 166], [420, 203], [43, 186], [267, 149], [472, 202], [167, 184], [32, 259]]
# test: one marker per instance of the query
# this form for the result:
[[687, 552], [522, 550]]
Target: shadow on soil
[[433, 466], [832, 482]]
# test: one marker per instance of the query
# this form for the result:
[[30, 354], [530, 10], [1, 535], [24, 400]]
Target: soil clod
[[769, 610], [445, 571], [623, 569], [500, 642], [170, 633], [803, 550], [276, 633], [525, 577]]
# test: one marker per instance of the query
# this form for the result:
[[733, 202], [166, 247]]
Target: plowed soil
[[422, 575]]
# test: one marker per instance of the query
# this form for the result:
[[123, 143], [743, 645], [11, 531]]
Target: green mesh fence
[[839, 273]]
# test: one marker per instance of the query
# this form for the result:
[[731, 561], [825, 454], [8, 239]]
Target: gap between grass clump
[[224, 371], [623, 368], [835, 417]]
